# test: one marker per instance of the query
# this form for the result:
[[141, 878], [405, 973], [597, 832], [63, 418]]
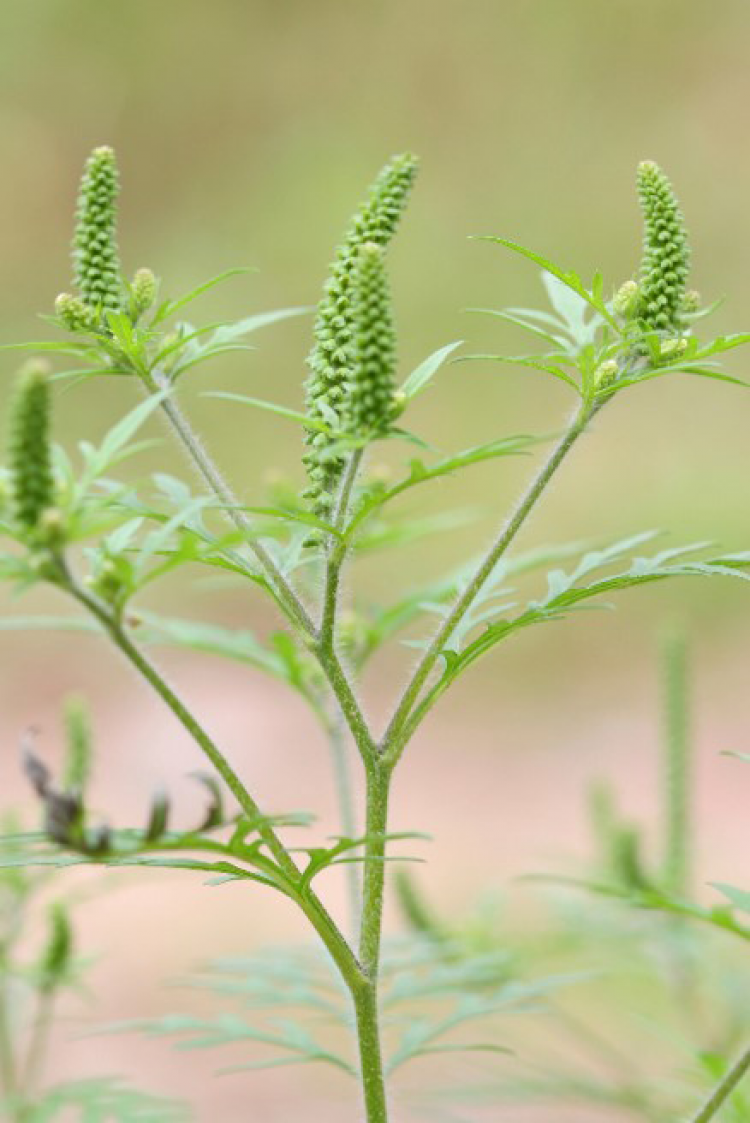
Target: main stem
[[399, 730], [366, 1000]]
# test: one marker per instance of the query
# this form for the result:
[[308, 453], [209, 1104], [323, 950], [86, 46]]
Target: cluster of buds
[[75, 314], [333, 360], [370, 398], [143, 290], [96, 259], [666, 254], [32, 482], [112, 580]]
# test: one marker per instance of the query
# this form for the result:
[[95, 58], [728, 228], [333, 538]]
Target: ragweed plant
[[100, 542]]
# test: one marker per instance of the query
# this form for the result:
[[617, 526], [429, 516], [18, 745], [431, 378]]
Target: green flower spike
[[30, 458], [371, 395], [334, 354], [96, 261], [666, 254]]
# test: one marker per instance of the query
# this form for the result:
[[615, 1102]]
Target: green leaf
[[422, 374], [272, 407], [740, 898], [169, 307], [565, 594], [106, 1099], [517, 319], [49, 623], [226, 1029], [420, 473], [569, 278], [227, 333], [526, 361], [121, 433]]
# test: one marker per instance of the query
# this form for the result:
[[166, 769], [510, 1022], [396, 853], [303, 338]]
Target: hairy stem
[[366, 1001], [285, 594], [378, 790], [232, 508], [371, 1061], [724, 1089], [337, 553], [394, 741]]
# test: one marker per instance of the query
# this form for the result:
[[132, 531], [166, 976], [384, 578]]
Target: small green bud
[[399, 402], [75, 315], [52, 527], [691, 302], [44, 566], [96, 260], [143, 291], [57, 954], [605, 374], [666, 254], [626, 300], [112, 580], [30, 456], [672, 349]]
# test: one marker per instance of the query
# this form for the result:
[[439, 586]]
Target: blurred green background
[[247, 131]]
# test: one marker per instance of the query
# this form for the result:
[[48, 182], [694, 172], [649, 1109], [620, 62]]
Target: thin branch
[[724, 1089], [395, 739], [232, 508], [286, 596], [310, 904], [337, 553]]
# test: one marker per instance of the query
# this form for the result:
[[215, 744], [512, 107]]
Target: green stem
[[394, 741], [210, 473], [337, 553], [366, 999], [285, 595], [378, 790], [347, 700], [371, 1061], [724, 1089]]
